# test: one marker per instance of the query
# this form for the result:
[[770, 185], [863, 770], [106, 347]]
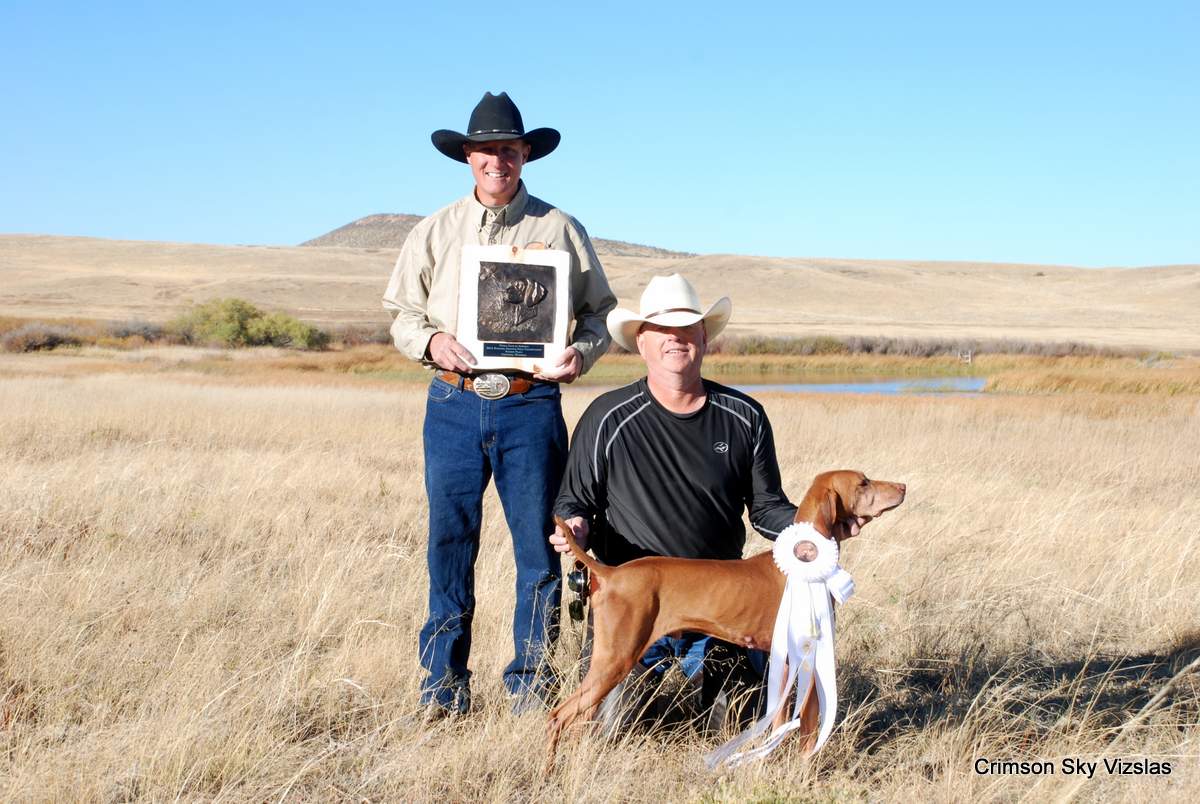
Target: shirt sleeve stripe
[[734, 412], [756, 430], [746, 406], [617, 431], [600, 429]]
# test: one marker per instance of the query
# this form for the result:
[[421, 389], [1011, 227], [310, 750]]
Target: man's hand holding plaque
[[566, 369], [448, 353]]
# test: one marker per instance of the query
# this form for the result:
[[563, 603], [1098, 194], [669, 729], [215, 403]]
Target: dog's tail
[[595, 567]]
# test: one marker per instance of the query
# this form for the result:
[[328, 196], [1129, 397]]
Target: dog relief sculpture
[[516, 302]]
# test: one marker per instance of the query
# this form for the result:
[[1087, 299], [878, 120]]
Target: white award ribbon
[[802, 640]]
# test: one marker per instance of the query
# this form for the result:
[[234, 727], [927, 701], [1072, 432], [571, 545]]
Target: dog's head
[[844, 501]]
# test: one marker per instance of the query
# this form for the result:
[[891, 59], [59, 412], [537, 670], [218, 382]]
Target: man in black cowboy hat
[[470, 434]]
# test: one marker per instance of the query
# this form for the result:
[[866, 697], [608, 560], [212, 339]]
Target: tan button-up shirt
[[423, 291]]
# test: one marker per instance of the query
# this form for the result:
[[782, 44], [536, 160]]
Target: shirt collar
[[506, 215]]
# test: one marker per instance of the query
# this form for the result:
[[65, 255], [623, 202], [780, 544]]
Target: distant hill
[[374, 231], [388, 230]]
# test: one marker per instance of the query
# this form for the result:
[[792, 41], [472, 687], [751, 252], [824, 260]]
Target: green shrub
[[280, 329], [236, 322]]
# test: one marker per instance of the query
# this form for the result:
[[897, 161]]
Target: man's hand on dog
[[579, 527]]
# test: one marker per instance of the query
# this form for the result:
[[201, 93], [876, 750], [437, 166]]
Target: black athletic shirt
[[653, 482]]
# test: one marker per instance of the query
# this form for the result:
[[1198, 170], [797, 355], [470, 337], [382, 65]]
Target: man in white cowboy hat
[[509, 427], [667, 465]]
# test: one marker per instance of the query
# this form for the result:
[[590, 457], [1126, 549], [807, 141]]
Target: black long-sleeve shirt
[[653, 482]]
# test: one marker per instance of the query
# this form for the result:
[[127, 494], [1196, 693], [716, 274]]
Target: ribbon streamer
[[802, 641]]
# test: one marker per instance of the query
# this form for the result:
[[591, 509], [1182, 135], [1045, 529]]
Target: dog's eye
[[865, 482]]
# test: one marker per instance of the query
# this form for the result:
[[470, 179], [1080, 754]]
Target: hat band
[[671, 310], [494, 131]]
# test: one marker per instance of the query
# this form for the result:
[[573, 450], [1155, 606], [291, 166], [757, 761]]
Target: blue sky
[[1025, 132]]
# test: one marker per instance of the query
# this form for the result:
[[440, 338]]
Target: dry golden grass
[[213, 584], [1161, 376]]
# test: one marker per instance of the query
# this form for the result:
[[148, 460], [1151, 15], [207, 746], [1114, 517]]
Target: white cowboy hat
[[669, 301]]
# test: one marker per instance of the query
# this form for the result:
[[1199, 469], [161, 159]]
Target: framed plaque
[[512, 306]]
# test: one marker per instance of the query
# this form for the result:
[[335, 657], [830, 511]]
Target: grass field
[[213, 575]]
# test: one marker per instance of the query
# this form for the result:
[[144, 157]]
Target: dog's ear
[[829, 509]]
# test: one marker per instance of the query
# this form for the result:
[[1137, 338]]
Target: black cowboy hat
[[495, 117]]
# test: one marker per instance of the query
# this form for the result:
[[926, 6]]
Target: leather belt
[[492, 385]]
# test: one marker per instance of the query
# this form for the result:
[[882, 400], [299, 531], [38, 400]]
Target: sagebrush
[[238, 323]]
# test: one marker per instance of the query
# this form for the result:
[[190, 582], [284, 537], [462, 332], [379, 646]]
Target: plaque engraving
[[516, 302]]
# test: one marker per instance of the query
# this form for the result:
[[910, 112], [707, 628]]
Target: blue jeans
[[690, 648], [713, 664], [521, 441]]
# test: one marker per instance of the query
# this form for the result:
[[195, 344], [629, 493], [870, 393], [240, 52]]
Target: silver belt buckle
[[491, 386]]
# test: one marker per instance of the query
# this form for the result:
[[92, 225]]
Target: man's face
[[496, 167], [673, 350]]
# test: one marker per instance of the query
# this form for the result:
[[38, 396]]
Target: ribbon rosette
[[802, 642]]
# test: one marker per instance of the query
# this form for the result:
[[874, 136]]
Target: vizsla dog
[[637, 603]]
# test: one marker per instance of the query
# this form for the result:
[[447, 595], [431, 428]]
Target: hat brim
[[541, 142], [624, 324]]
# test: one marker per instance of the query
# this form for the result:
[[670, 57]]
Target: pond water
[[919, 386]]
